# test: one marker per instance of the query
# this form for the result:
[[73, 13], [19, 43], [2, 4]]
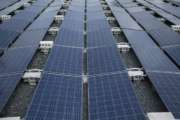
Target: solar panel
[[111, 97], [174, 53], [42, 2], [70, 38], [41, 23], [130, 5], [57, 97], [76, 25], [6, 3], [167, 85], [15, 60], [97, 25], [151, 57], [23, 15], [135, 9], [100, 38], [148, 21], [165, 36], [124, 20], [7, 86], [65, 60], [104, 60], [30, 38], [14, 25], [34, 9], [7, 37]]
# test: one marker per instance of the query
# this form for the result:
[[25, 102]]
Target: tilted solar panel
[[167, 85], [111, 97], [104, 60], [65, 60], [57, 97]]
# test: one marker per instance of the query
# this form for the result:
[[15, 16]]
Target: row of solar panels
[[59, 94], [111, 95], [16, 59], [160, 69]]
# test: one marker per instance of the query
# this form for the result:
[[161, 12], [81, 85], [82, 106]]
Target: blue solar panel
[[165, 36], [15, 60], [75, 25], [7, 37], [151, 57], [14, 25], [7, 86], [70, 38], [42, 2], [57, 98], [148, 21], [6, 3], [97, 25], [111, 97], [124, 20], [65, 60], [25, 15], [30, 38], [100, 38], [34, 9], [174, 53], [104, 60], [41, 23], [167, 85]]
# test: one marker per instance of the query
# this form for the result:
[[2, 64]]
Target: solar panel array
[[110, 90], [59, 92], [160, 69], [161, 33], [16, 59], [11, 29]]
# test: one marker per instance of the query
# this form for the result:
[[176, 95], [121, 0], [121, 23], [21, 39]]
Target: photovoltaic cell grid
[[65, 60], [57, 97], [104, 60], [167, 85], [70, 38], [16, 60], [111, 97]]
